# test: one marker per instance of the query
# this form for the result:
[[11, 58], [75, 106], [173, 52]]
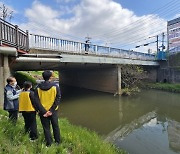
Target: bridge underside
[[101, 77]]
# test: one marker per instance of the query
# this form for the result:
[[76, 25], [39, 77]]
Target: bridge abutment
[[4, 74], [5, 71]]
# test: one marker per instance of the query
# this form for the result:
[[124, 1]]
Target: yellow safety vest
[[47, 97], [25, 102]]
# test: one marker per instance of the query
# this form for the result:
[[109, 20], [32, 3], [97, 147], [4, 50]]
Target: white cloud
[[177, 16], [103, 20], [66, 1]]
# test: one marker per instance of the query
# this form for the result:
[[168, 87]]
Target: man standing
[[11, 95], [47, 95]]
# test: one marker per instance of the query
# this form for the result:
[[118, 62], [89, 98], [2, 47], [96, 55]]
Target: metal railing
[[49, 43], [11, 35]]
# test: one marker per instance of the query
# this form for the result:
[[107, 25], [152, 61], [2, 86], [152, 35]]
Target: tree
[[6, 13], [132, 76]]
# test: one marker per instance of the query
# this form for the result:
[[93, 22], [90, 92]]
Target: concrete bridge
[[80, 64]]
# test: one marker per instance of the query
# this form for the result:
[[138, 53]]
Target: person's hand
[[47, 114]]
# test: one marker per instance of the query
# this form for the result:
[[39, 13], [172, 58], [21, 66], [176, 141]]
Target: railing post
[[17, 37], [109, 51], [27, 40], [96, 48]]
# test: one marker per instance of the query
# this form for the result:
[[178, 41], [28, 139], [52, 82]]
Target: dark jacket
[[11, 96], [51, 92]]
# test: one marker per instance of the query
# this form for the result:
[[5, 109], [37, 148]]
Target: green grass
[[165, 86], [75, 140], [39, 73]]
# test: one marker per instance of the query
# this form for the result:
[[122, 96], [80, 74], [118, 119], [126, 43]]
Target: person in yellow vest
[[27, 106], [48, 97]]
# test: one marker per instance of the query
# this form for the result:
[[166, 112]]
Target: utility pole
[[157, 44], [163, 47]]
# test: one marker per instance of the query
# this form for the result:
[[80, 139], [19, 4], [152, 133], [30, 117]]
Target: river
[[146, 123]]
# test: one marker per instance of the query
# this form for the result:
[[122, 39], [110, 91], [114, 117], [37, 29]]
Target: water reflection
[[146, 123], [173, 130]]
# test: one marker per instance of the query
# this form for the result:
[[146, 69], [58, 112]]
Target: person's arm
[[10, 95], [18, 91], [57, 99], [39, 106]]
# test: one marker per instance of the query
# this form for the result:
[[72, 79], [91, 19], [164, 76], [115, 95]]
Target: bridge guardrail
[[11, 35], [49, 43]]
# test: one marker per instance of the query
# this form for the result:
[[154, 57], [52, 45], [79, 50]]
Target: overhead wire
[[131, 29], [134, 37], [137, 21]]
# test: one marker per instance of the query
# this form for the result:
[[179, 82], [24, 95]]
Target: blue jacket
[[11, 96]]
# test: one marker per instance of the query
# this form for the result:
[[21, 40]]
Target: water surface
[[148, 122]]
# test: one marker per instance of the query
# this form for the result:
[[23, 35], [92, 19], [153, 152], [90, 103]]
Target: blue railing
[[54, 44]]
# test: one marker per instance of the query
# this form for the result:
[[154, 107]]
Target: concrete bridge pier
[[119, 79], [6, 69], [5, 72]]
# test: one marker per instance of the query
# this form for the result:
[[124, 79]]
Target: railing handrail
[[7, 23], [92, 44], [65, 45], [57, 38], [11, 35]]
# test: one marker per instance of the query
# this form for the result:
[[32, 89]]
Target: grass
[[172, 87], [75, 140], [39, 73]]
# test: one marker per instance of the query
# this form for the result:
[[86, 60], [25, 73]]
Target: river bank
[[75, 139], [170, 87]]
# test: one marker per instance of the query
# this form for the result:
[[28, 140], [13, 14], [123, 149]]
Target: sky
[[116, 23]]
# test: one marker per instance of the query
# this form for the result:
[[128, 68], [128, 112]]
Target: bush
[[21, 77]]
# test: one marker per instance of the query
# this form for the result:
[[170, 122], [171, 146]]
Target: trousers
[[46, 121], [30, 124], [13, 116]]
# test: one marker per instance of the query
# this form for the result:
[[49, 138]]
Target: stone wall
[[169, 73]]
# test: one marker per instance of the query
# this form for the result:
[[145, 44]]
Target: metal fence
[[49, 43], [11, 35]]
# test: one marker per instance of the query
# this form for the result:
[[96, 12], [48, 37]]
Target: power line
[[133, 23], [135, 37], [132, 28]]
